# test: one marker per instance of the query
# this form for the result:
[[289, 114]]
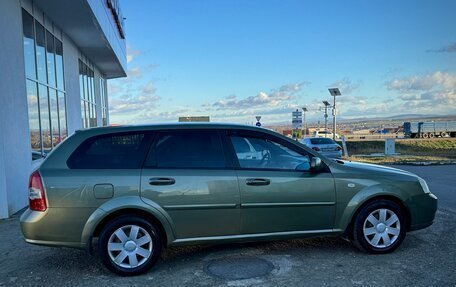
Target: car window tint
[[187, 149], [322, 141], [112, 151], [267, 154]]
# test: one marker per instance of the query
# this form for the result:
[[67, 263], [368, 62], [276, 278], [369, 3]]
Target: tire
[[383, 237], [443, 134], [135, 254], [425, 135], [431, 135]]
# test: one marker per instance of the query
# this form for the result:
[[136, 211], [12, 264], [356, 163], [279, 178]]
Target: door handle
[[161, 181], [257, 181]]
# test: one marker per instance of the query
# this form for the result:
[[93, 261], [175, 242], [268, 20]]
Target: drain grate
[[239, 268]]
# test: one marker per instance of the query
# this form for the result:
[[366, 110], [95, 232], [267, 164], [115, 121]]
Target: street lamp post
[[327, 105], [334, 92], [304, 109]]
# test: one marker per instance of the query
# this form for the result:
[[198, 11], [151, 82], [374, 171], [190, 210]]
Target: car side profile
[[130, 191]]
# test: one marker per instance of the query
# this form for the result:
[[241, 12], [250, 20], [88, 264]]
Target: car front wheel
[[129, 245], [379, 227]]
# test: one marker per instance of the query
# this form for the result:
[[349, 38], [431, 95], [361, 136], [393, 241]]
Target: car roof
[[174, 126]]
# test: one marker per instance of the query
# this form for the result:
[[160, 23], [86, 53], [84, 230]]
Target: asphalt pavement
[[426, 258]]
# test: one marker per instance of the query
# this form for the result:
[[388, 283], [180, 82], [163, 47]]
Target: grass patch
[[445, 148], [411, 151]]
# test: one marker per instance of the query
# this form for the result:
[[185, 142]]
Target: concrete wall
[[14, 134]]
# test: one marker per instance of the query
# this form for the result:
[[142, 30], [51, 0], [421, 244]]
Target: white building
[[55, 60]]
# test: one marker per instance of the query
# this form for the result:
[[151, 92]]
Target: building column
[[15, 150]]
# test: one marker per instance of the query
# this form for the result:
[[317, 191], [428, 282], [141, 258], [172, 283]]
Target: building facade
[[57, 56]]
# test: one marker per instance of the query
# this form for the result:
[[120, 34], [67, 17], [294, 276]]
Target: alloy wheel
[[382, 228], [130, 246]]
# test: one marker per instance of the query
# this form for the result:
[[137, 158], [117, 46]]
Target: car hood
[[367, 167]]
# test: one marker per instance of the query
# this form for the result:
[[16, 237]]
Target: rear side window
[[112, 151], [187, 149]]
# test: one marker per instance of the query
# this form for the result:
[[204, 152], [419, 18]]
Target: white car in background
[[325, 146], [324, 134]]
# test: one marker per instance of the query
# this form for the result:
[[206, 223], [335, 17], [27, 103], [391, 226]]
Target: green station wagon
[[127, 192]]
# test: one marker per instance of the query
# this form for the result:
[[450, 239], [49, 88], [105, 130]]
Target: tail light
[[37, 198], [338, 148], [315, 148]]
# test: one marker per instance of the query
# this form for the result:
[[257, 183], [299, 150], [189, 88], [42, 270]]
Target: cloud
[[451, 48], [434, 92], [346, 85], [132, 53], [271, 99]]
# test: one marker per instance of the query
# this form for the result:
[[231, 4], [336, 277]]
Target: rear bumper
[[42, 228], [423, 211]]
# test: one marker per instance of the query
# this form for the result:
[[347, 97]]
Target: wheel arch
[[348, 229], [123, 206]]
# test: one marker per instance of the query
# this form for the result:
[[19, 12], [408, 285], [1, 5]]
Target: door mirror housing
[[315, 163]]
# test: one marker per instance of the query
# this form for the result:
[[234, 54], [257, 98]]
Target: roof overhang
[[79, 22]]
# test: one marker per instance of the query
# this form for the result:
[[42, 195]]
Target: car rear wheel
[[379, 227], [129, 245]]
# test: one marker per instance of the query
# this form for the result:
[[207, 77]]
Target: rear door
[[188, 174], [279, 192]]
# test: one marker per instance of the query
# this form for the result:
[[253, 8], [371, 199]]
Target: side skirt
[[257, 237]]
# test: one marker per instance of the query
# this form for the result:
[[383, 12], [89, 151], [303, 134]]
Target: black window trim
[[261, 135], [229, 165]]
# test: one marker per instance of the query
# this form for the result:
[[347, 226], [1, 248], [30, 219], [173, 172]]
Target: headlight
[[424, 185]]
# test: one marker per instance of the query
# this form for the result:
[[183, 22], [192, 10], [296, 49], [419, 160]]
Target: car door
[[188, 174], [279, 192]]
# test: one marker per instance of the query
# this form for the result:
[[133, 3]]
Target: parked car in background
[[130, 191], [324, 134], [325, 146]]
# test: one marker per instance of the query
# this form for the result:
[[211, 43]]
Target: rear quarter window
[[111, 151]]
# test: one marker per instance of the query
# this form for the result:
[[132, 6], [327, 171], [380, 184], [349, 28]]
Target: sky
[[234, 60]]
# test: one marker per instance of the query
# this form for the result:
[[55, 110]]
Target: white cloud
[[132, 53], [346, 85]]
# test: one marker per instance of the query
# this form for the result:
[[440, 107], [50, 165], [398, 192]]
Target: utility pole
[[334, 92], [327, 105]]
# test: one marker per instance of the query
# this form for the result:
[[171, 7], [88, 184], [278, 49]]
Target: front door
[[279, 192], [186, 174]]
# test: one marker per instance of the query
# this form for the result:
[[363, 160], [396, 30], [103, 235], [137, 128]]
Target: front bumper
[[422, 210]]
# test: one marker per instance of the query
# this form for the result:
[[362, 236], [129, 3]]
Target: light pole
[[304, 109], [334, 92], [327, 105]]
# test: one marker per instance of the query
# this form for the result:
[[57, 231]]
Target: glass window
[[54, 112], [187, 149], [104, 102], [62, 116], [50, 51], [34, 116], [261, 153], [87, 94], [44, 117], [321, 141], [59, 64], [112, 151], [40, 52], [29, 44], [43, 56]]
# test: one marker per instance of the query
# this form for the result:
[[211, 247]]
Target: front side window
[[262, 153], [187, 149], [112, 151]]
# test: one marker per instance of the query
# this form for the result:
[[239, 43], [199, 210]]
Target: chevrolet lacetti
[[128, 192]]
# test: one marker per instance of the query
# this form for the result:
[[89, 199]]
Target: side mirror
[[315, 163]]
